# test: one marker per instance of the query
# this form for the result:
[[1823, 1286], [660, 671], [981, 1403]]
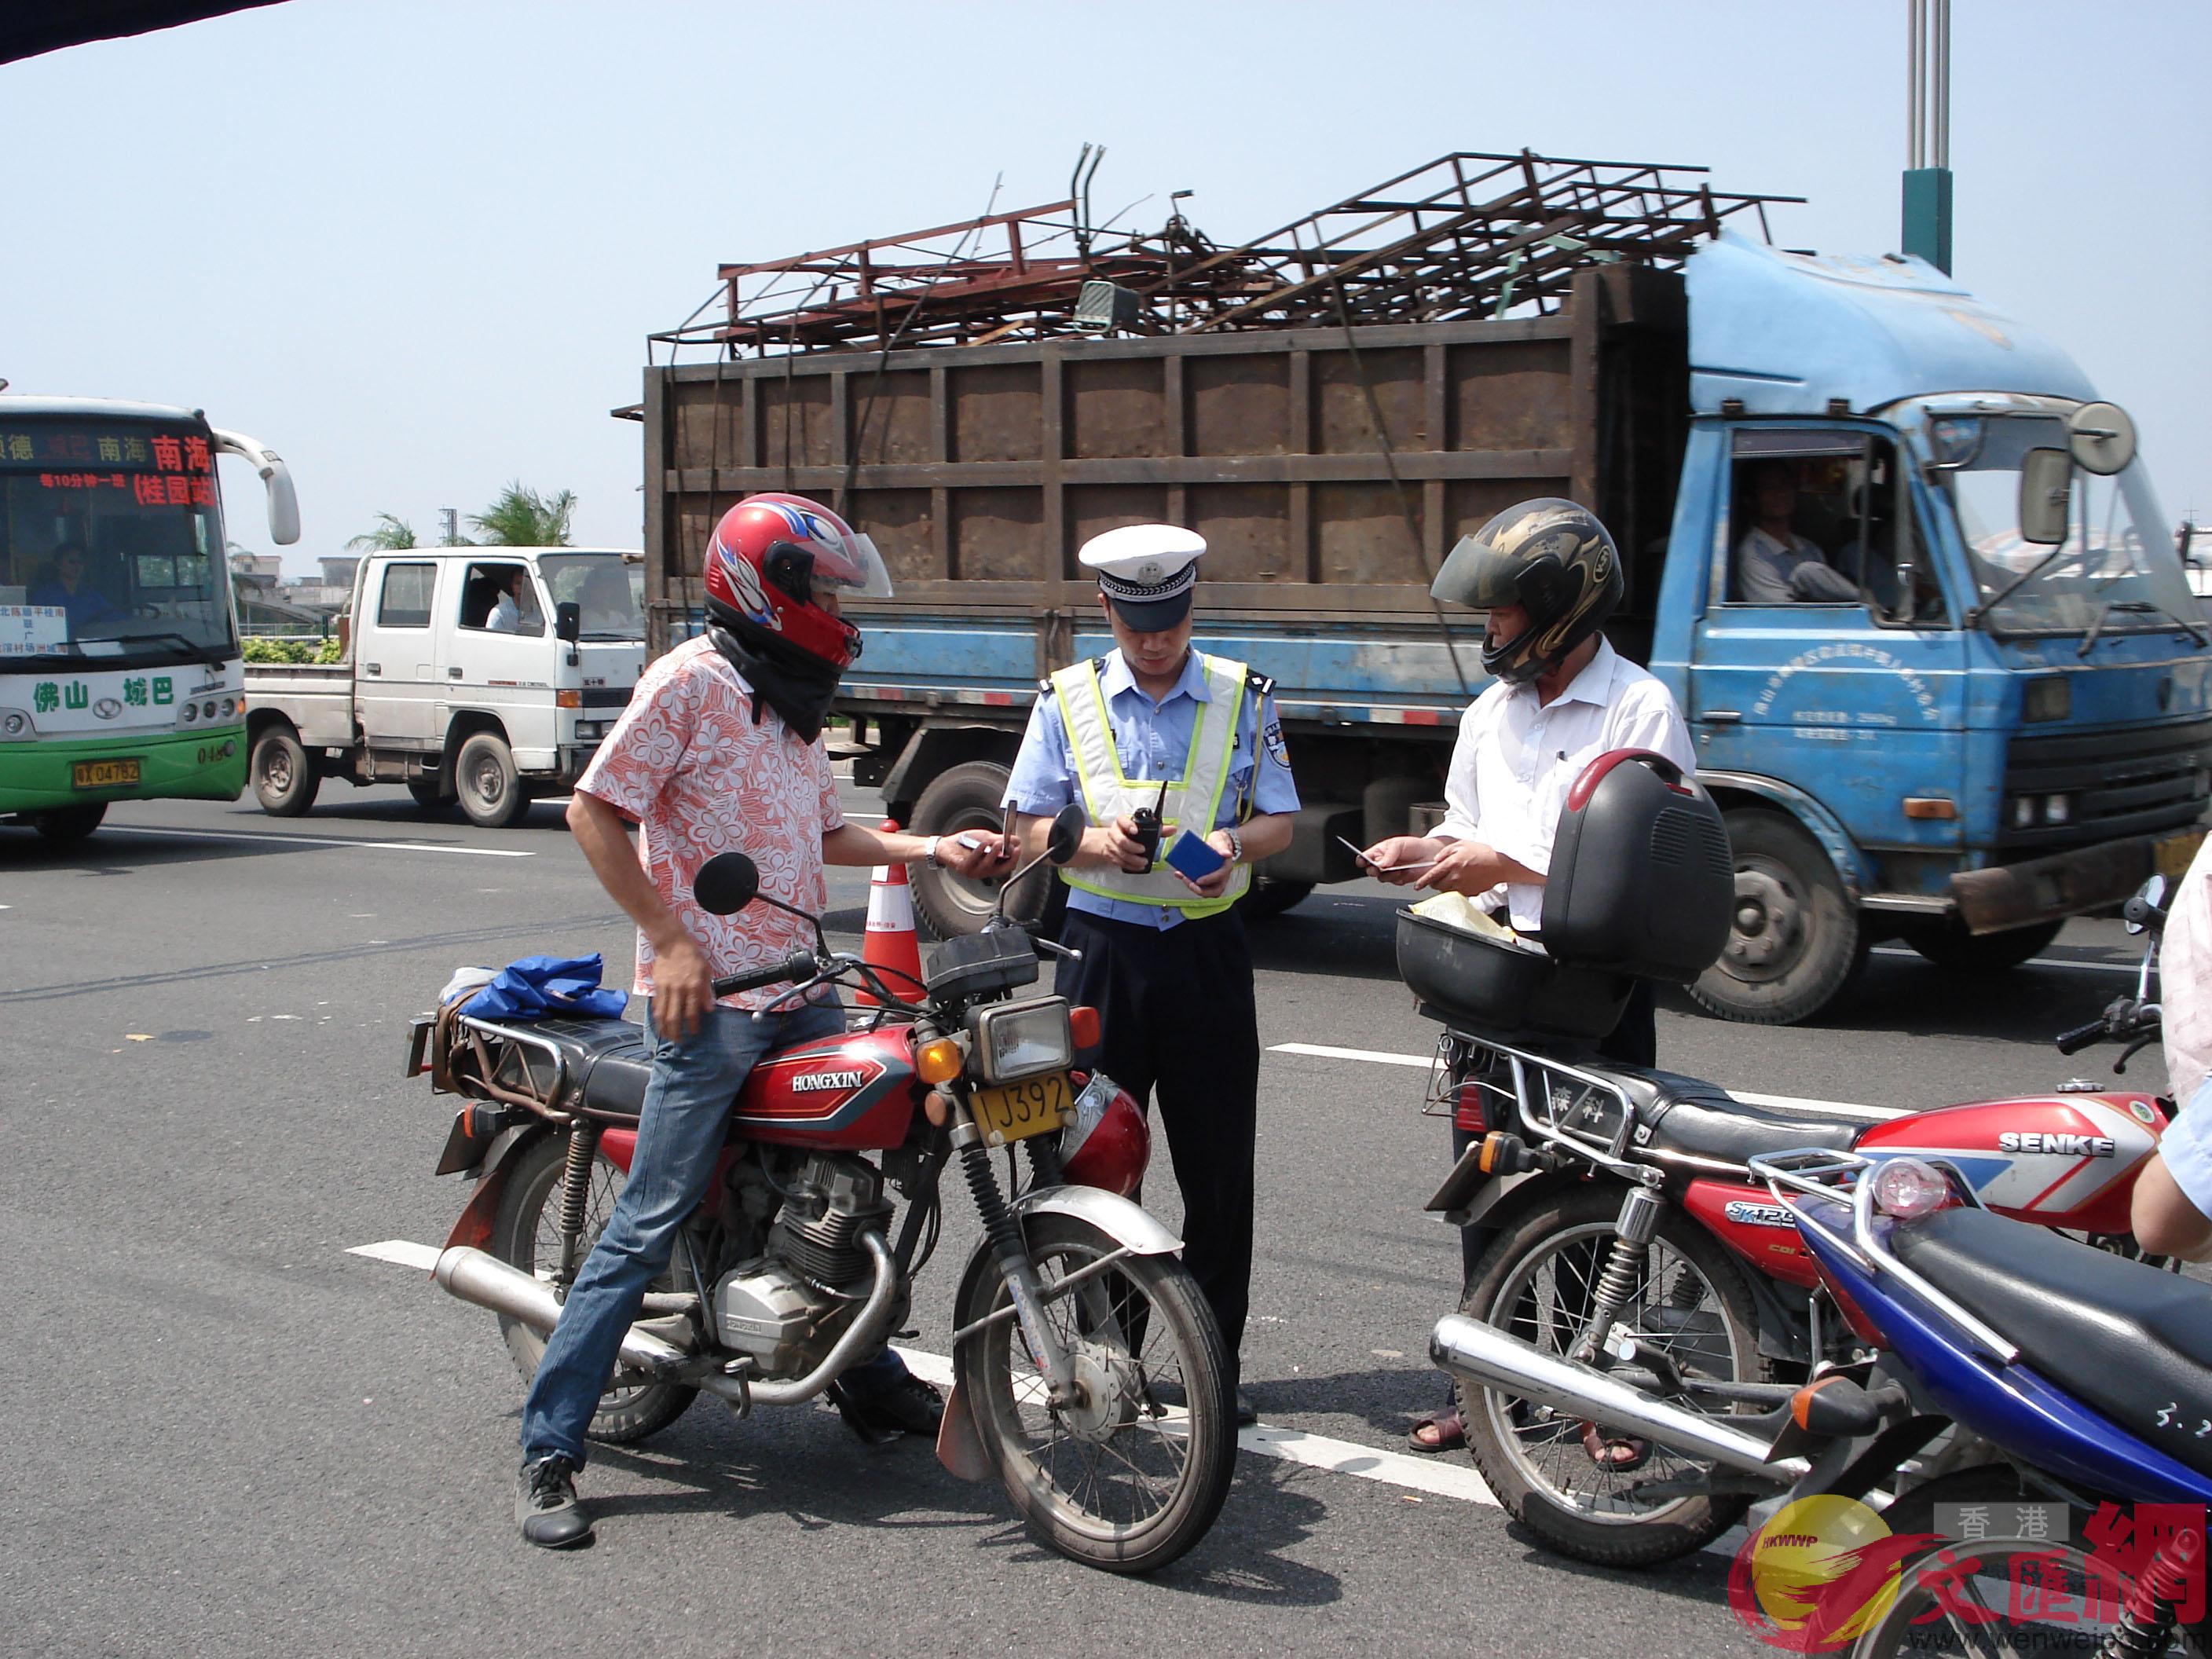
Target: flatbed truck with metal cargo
[[2009, 723]]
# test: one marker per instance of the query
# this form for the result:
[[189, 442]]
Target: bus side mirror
[[2046, 478]]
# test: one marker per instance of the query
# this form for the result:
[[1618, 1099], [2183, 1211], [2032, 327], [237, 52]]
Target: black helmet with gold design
[[1549, 556]]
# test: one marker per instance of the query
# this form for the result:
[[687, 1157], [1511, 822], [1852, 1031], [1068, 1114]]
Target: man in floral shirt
[[718, 750]]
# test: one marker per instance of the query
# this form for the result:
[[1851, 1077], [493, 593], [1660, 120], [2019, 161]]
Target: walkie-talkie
[[1147, 820]]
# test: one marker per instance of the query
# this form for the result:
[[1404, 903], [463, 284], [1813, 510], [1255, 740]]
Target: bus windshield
[[111, 542]]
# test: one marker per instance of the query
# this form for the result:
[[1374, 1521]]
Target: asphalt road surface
[[229, 1432]]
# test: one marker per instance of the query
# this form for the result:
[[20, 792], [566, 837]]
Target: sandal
[[1442, 1432], [1621, 1453]]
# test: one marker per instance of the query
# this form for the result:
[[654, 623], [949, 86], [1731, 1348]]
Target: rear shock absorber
[[1632, 1236], [575, 1197], [2147, 1616]]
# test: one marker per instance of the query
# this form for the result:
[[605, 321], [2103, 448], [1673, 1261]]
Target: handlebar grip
[[800, 964], [2081, 1037]]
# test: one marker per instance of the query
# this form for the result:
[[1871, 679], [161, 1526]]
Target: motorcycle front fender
[[1130, 1225]]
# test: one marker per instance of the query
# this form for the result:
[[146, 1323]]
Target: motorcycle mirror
[[1067, 827], [726, 883], [2145, 904]]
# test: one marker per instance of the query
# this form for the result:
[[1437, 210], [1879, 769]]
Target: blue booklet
[[1194, 856]]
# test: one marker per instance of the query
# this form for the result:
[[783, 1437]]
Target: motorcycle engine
[[785, 1308]]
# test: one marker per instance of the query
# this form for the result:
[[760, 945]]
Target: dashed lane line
[[1314, 1451], [356, 842], [1780, 1102]]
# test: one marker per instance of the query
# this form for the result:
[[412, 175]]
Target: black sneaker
[[545, 1505], [882, 1411]]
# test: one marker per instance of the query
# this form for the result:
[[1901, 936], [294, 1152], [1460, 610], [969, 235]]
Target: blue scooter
[[2090, 1373]]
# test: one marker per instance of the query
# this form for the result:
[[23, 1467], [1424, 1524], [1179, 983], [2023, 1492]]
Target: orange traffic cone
[[890, 944]]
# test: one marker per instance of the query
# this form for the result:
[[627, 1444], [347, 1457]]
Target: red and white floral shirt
[[700, 775]]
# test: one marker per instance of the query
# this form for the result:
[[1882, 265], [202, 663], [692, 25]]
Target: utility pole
[[449, 518], [1927, 134]]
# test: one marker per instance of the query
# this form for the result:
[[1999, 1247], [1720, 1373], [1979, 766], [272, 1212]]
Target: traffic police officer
[[1164, 959]]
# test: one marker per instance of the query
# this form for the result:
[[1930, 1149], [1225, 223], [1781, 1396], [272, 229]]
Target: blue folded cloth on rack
[[536, 986]]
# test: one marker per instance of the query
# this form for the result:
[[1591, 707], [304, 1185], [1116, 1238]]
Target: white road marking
[[1781, 1103], [321, 841], [2130, 968], [1317, 1452]]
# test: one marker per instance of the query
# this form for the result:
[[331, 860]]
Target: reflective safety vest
[[1193, 800]]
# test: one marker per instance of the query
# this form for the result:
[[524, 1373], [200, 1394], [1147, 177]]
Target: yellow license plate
[[1015, 1111], [2171, 857], [103, 775]]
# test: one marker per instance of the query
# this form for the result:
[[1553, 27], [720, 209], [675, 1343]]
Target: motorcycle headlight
[[1010, 1040]]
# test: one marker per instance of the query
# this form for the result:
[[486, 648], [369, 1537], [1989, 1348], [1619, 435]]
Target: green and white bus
[[120, 677]]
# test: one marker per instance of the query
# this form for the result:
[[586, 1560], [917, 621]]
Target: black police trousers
[[1177, 1019]]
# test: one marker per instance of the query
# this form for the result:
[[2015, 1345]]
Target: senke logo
[[814, 1082], [2066, 1146]]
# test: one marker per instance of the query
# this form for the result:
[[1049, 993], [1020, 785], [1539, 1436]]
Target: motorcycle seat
[[2127, 1339], [1698, 1119]]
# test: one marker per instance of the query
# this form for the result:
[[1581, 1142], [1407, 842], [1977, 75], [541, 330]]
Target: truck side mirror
[[568, 620], [2045, 495]]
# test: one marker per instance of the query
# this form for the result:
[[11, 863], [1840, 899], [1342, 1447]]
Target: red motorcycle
[[1629, 1233], [1089, 1374]]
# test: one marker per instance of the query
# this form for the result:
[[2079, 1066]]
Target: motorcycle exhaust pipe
[[477, 1276], [1490, 1358]]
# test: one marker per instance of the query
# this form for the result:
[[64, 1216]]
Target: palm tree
[[390, 536], [523, 518]]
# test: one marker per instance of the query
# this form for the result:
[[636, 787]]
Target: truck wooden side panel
[[1329, 470]]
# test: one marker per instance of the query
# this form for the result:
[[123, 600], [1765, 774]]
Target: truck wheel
[[484, 778], [1268, 897], [1948, 944], [65, 824], [967, 797], [284, 777], [1794, 942]]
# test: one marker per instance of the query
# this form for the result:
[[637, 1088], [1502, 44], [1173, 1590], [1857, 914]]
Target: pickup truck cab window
[[403, 601], [482, 588]]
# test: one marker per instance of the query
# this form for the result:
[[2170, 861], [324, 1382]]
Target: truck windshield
[[599, 585], [2116, 572], [111, 542]]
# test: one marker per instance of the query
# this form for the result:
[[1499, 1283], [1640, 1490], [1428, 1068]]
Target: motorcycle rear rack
[[1840, 1177]]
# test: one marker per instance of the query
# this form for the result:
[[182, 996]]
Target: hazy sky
[[417, 247]]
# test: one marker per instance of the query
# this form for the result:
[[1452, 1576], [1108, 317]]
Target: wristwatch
[[1236, 845], [929, 852]]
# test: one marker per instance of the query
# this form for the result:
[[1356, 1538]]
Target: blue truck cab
[[2007, 723]]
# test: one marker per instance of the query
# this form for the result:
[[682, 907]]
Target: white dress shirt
[[2185, 980], [1516, 758]]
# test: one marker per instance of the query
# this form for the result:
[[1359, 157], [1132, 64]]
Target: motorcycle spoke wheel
[[1997, 1599], [1593, 1493], [528, 1235], [1133, 1475]]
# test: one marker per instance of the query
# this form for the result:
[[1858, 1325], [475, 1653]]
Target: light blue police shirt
[[2186, 1146], [1153, 740]]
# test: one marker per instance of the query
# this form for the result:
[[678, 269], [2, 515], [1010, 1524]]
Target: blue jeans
[[681, 1128]]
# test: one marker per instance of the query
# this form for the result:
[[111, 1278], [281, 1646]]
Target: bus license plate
[[1015, 1111], [103, 774]]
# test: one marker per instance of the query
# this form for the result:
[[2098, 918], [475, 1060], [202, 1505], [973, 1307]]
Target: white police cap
[[1148, 571]]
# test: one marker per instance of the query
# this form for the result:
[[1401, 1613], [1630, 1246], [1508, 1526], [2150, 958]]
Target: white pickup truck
[[485, 675]]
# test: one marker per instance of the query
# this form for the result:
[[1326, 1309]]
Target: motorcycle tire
[[1573, 1233], [1075, 1478], [526, 1234]]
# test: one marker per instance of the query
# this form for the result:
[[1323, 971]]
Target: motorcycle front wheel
[[1582, 1488], [1133, 1476], [526, 1234]]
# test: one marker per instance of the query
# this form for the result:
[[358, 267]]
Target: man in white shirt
[[1775, 565], [2173, 1194], [1549, 576], [506, 610]]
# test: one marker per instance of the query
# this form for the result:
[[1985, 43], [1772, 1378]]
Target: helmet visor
[[858, 570], [1476, 574]]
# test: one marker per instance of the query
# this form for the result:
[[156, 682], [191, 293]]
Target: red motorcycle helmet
[[769, 556]]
